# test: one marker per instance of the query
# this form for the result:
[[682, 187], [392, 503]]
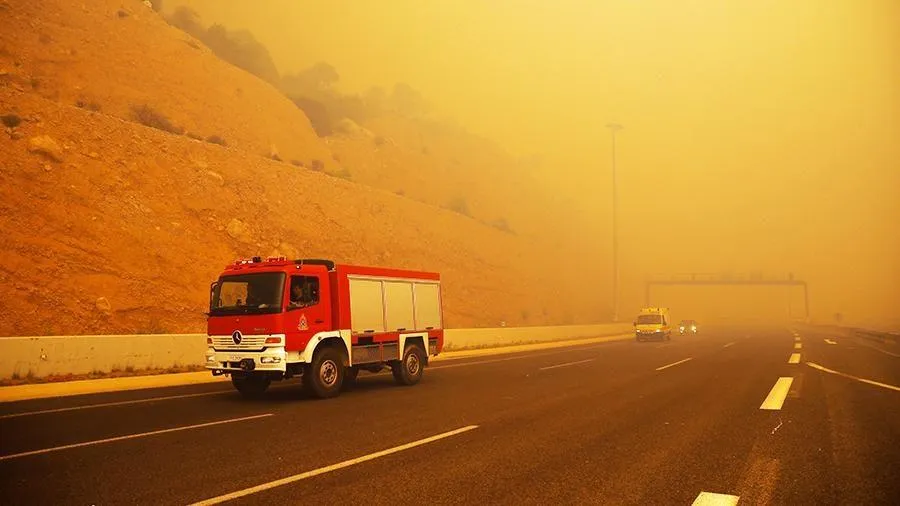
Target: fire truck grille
[[247, 343]]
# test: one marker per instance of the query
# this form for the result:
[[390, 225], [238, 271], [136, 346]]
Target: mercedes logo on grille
[[237, 337]]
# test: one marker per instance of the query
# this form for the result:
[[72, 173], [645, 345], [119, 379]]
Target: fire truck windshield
[[257, 293]]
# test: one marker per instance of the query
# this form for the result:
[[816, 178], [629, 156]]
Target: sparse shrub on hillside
[[343, 173], [35, 83], [240, 48], [296, 163], [401, 192], [196, 137], [317, 84], [150, 117], [502, 225], [122, 14], [322, 121], [459, 205], [11, 120], [274, 156], [187, 20], [311, 81], [91, 106], [317, 165], [215, 139]]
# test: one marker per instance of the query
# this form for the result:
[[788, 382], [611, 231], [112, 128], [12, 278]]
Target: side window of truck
[[304, 291]]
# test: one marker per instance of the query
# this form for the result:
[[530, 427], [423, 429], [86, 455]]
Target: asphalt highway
[[721, 416]]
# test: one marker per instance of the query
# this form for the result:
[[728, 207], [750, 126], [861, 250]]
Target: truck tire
[[251, 386], [350, 375], [409, 371], [325, 375]]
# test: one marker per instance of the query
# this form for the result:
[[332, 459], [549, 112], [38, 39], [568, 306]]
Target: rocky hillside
[[134, 166]]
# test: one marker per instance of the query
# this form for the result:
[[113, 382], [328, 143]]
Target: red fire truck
[[273, 319]]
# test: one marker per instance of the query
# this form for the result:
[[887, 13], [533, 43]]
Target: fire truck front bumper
[[268, 360]]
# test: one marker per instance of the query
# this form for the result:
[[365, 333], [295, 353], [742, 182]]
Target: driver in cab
[[301, 295]]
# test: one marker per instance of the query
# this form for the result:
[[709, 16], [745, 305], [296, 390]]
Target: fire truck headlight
[[210, 359], [269, 360]]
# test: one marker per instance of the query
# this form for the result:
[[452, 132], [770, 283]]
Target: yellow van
[[653, 323]]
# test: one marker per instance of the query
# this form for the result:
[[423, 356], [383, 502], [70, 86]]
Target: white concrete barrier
[[457, 339], [59, 355], [41, 356]]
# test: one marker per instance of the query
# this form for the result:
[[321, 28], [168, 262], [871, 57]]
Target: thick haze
[[759, 135]]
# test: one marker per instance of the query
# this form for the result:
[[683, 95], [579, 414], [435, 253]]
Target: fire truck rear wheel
[[250, 386], [410, 369], [325, 375]]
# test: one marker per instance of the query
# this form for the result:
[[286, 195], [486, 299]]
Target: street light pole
[[615, 127]]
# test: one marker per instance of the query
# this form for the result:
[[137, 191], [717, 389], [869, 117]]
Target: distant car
[[687, 326]]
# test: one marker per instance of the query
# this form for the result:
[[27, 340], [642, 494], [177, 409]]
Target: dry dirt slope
[[126, 229], [118, 54], [144, 220]]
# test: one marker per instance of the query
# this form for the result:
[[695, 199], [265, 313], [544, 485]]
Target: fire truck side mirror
[[212, 293]]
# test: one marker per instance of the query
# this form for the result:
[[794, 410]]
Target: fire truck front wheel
[[325, 375], [409, 371], [250, 385]]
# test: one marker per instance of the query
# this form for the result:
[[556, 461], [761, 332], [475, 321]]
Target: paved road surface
[[600, 424]]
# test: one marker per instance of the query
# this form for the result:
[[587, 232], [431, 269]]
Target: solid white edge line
[[131, 436], [830, 341], [795, 358], [712, 499], [775, 400], [565, 365], [728, 345], [863, 380], [673, 364], [333, 467]]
